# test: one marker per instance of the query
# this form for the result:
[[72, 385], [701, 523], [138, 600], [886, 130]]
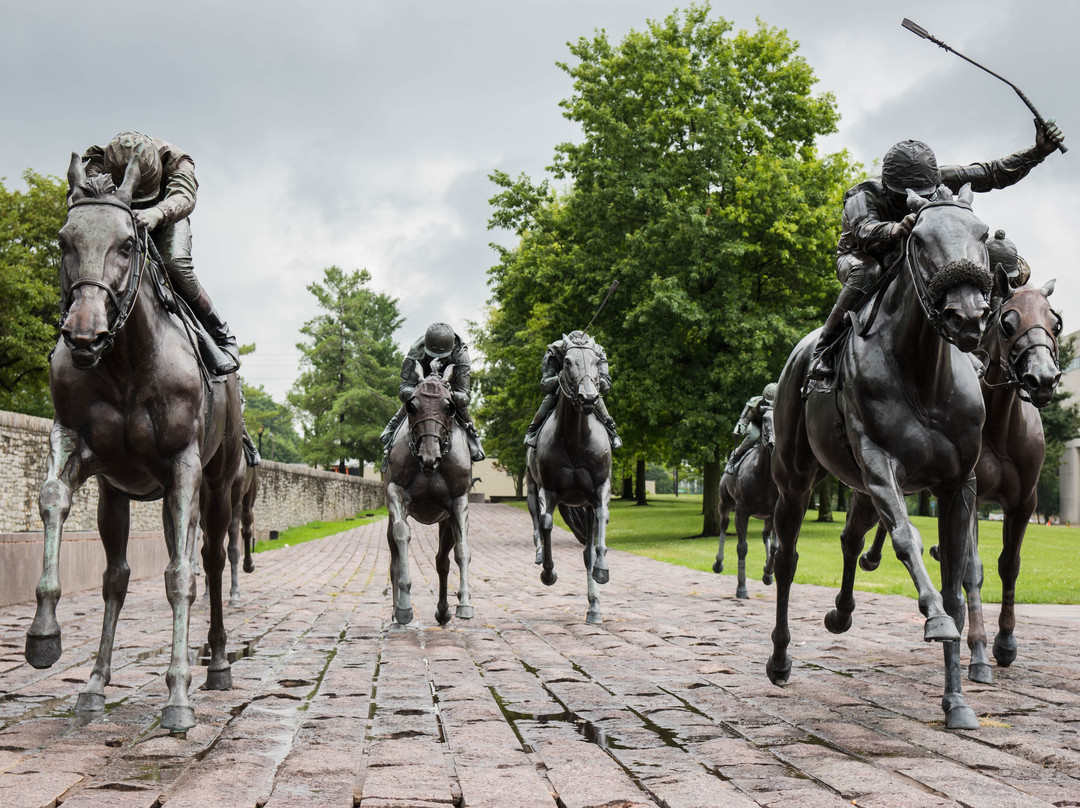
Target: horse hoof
[[940, 629], [234, 602], [961, 717], [601, 576], [935, 553], [869, 564], [42, 651], [767, 579], [539, 557], [178, 719], [1005, 650], [718, 567], [594, 617], [90, 703], [980, 672], [837, 623], [249, 566], [548, 577], [442, 616], [220, 679], [403, 616], [742, 594], [465, 612], [778, 675]]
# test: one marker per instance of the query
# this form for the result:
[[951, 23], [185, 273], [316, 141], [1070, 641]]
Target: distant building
[[1069, 471]]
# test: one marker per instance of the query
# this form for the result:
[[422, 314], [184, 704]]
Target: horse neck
[[909, 337], [142, 329], [571, 424], [1003, 405]]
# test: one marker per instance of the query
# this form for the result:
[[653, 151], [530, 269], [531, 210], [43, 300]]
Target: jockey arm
[[550, 370]]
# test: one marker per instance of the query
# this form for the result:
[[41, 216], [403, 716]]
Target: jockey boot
[[822, 365], [251, 453], [616, 441], [475, 450], [531, 434], [217, 343]]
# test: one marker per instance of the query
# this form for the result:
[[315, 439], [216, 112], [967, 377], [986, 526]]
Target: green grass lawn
[[1050, 568], [318, 530]]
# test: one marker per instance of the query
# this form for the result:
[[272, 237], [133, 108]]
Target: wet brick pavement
[[665, 704]]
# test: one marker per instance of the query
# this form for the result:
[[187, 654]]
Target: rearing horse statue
[[570, 467], [428, 478], [134, 407], [907, 415]]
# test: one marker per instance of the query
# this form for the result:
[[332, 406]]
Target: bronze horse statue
[[1021, 377], [428, 478], [750, 491], [570, 467], [135, 408], [906, 415]]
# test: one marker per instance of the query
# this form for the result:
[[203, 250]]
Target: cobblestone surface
[[664, 704]]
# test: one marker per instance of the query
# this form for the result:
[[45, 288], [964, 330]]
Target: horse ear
[[76, 178], [915, 202], [132, 174], [448, 373], [1048, 287], [966, 196]]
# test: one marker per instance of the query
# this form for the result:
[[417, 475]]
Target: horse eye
[[1057, 325], [448, 408], [1010, 322]]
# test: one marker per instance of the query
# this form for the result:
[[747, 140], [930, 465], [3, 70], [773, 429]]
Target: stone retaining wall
[[288, 496]]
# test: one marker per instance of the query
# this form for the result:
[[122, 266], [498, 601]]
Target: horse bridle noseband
[[442, 434], [125, 303]]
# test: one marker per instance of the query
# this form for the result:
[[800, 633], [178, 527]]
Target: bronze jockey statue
[[162, 202], [439, 348], [876, 219], [749, 424], [549, 383]]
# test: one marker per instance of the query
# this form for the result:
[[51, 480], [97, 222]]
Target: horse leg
[[1012, 532], [462, 555], [956, 533], [234, 557], [442, 568], [769, 539], [398, 535], [725, 520], [217, 521], [113, 519], [601, 514], [880, 474], [589, 554], [66, 473], [247, 527], [742, 523], [861, 516], [545, 516], [871, 559], [180, 518], [790, 509], [532, 498], [979, 666]]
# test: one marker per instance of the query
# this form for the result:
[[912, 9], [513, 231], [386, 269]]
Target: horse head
[[946, 255], [1027, 342], [101, 262], [579, 379], [431, 412]]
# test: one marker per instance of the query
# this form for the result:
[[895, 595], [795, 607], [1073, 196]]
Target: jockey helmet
[[769, 393], [1003, 251], [910, 164], [118, 154], [439, 340]]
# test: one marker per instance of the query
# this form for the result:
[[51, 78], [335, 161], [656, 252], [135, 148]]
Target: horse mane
[[97, 186], [579, 339]]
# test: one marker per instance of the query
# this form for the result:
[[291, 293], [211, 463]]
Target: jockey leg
[[387, 436], [219, 350], [859, 272], [546, 406], [476, 451], [609, 422]]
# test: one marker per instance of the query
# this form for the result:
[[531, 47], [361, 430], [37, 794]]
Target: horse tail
[[580, 519]]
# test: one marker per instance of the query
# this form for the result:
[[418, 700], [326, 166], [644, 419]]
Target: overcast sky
[[361, 133]]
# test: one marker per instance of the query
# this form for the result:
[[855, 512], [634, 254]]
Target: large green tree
[[30, 290], [349, 370], [697, 185]]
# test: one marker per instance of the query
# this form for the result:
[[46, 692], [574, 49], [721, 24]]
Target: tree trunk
[[519, 485], [824, 498], [627, 487], [924, 503], [710, 502], [675, 475], [841, 496], [639, 488]]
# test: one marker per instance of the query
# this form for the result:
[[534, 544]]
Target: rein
[[1010, 357], [125, 303]]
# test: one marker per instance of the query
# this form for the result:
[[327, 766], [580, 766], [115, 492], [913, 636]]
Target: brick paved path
[[665, 704]]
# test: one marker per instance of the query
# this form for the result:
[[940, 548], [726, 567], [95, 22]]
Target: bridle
[[123, 304], [564, 384], [418, 430], [1015, 347]]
